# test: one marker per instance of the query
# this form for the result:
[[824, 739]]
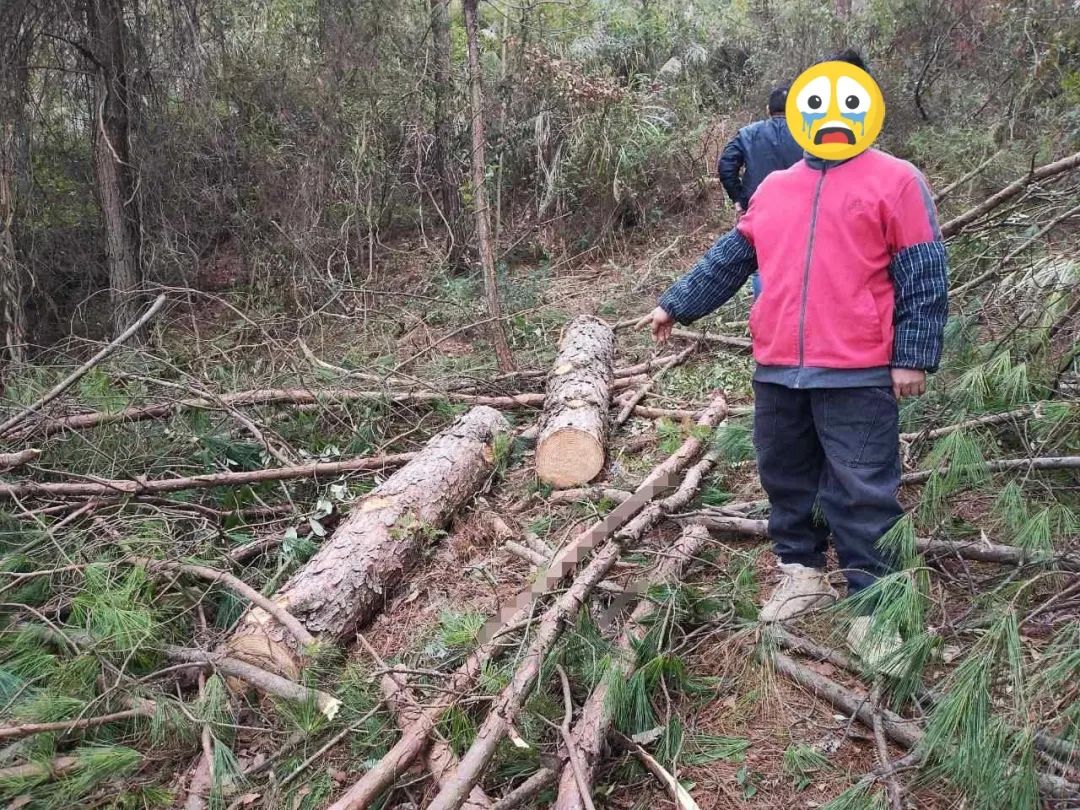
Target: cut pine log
[[570, 448], [369, 554]]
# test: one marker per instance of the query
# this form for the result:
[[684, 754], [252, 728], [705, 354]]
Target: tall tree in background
[[114, 170], [15, 40], [480, 196], [445, 167]]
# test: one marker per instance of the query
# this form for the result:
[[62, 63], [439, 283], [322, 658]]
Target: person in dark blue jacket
[[757, 150]]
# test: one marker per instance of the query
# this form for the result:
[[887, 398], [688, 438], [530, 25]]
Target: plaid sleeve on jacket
[[920, 273], [716, 277]]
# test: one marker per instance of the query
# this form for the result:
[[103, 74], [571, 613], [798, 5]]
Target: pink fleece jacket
[[824, 236]]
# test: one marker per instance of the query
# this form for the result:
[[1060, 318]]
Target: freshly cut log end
[[569, 457], [373, 549], [570, 445]]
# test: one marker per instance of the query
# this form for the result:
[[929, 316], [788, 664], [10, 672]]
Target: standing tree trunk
[[114, 169], [480, 195], [371, 552], [445, 167], [14, 75], [571, 442]]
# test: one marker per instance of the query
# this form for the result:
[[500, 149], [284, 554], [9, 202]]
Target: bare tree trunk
[[449, 178], [114, 170], [480, 196], [14, 75]]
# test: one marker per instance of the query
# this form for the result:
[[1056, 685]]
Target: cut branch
[[957, 224], [62, 386], [975, 550], [145, 709], [903, 732], [141, 486], [641, 391], [591, 731], [510, 701], [1042, 464], [268, 682], [299, 632], [10, 461]]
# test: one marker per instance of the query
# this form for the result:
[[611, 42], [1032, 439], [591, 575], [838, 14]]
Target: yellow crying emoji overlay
[[835, 110]]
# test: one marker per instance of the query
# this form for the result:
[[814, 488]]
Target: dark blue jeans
[[840, 448]]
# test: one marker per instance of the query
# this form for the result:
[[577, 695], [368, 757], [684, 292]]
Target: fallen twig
[[141, 486], [288, 621], [976, 550], [903, 732], [679, 794], [145, 709], [77, 374], [957, 224], [643, 389]]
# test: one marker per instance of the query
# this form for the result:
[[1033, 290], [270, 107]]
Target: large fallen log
[[591, 730], [510, 701], [414, 739], [571, 444], [371, 551]]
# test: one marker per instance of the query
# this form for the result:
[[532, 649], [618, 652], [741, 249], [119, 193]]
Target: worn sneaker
[[876, 647], [800, 590]]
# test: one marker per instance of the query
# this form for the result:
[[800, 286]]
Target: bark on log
[[591, 730], [570, 448], [370, 553]]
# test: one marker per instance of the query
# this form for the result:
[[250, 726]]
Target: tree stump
[[372, 551], [571, 443]]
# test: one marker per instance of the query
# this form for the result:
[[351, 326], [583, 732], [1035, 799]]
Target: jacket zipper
[[806, 276]]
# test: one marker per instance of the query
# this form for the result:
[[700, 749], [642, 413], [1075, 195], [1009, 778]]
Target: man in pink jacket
[[850, 319]]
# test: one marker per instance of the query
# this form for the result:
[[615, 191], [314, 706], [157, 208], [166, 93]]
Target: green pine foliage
[[802, 763]]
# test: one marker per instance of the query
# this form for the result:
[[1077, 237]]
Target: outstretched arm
[[716, 277]]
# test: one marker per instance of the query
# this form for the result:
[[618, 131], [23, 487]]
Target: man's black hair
[[778, 98], [852, 57]]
